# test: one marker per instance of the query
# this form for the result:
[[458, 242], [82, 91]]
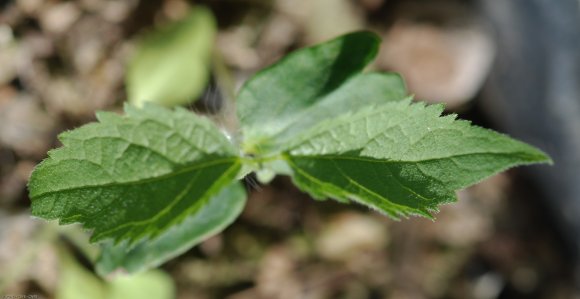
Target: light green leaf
[[171, 64], [77, 282], [218, 213], [283, 95], [151, 284], [400, 158], [134, 177], [359, 92]]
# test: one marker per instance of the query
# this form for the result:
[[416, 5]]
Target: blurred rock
[[45, 270], [90, 42], [488, 286], [10, 14], [58, 18], [8, 55], [81, 74], [6, 35], [213, 246], [214, 273], [176, 9], [30, 7], [13, 185], [350, 234], [276, 277], [26, 127], [17, 232], [525, 279], [322, 19], [116, 11], [92, 6], [7, 94], [441, 62], [68, 97], [296, 10], [330, 18], [466, 222], [32, 46], [235, 46], [371, 5], [276, 38], [272, 209]]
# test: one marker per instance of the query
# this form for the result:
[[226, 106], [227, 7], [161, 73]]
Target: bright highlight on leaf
[[155, 182]]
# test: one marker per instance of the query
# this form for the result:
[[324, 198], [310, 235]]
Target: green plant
[[156, 181]]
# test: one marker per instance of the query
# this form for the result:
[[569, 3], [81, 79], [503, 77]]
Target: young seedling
[[157, 181]]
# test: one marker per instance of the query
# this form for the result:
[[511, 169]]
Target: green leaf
[[218, 213], [284, 94], [400, 158], [134, 177], [348, 135], [171, 64], [151, 284], [156, 181], [75, 281], [359, 92]]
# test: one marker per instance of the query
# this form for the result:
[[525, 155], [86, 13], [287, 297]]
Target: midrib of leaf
[[386, 161], [418, 163], [417, 111], [211, 217], [210, 192], [333, 160], [385, 204], [125, 162], [361, 132], [226, 175], [183, 170], [412, 145], [161, 213]]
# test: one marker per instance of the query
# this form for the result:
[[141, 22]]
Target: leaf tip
[[543, 158]]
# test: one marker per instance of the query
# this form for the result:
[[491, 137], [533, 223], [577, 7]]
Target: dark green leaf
[[271, 101]]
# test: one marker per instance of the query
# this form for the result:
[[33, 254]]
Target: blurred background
[[511, 65]]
